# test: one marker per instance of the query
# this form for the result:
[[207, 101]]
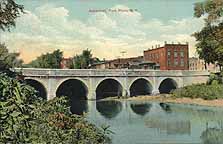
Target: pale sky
[[71, 26]]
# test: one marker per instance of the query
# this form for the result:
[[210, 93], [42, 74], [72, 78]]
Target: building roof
[[179, 44]]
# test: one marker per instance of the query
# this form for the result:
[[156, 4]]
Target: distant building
[[169, 57], [65, 63], [122, 63], [199, 65]]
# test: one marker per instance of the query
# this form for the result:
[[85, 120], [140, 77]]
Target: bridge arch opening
[[167, 85], [38, 86], [108, 88], [140, 87], [77, 92]]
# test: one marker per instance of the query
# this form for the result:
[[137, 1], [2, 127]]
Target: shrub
[[215, 78], [207, 92]]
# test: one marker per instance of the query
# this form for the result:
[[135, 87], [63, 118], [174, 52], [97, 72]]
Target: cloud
[[107, 34]]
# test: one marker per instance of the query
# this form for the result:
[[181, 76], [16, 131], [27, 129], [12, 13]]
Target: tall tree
[[49, 60], [9, 11], [84, 60], [210, 38], [8, 60]]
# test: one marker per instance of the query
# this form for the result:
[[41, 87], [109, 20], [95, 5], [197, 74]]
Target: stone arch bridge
[[98, 83]]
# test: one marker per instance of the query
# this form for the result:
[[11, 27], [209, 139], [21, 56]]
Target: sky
[[107, 28]]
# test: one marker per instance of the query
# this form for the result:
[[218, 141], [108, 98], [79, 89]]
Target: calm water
[[154, 122]]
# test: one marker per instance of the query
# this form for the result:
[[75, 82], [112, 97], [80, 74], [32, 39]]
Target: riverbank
[[169, 99]]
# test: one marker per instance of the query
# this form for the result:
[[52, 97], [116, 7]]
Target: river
[[136, 122]]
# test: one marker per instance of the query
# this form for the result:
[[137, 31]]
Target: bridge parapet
[[107, 72]]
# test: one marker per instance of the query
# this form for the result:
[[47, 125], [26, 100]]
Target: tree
[[84, 60], [210, 38], [9, 11], [8, 60], [49, 60]]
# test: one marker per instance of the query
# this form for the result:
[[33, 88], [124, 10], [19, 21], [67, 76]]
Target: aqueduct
[[83, 84]]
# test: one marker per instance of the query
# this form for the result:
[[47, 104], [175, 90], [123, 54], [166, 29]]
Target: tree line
[[53, 60]]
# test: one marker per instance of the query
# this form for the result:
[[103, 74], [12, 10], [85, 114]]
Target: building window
[[182, 62], [168, 53], [182, 53], [168, 62], [175, 62], [175, 54]]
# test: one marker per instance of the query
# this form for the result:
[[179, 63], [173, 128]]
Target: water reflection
[[212, 136], [155, 122], [141, 109], [79, 107], [109, 109], [171, 127], [165, 107]]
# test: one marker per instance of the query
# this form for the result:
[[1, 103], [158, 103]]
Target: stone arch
[[76, 90], [38, 86], [167, 85], [70, 78], [140, 86], [109, 87]]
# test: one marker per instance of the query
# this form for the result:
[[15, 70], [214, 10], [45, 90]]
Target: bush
[[207, 92], [56, 125], [26, 119], [15, 110], [215, 78]]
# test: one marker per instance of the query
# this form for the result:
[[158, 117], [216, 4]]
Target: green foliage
[[15, 112], [26, 119], [84, 60], [8, 60], [9, 11], [210, 38], [49, 60], [207, 92], [211, 8], [57, 125], [214, 79]]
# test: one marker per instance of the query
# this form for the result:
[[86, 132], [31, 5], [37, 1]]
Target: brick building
[[169, 57]]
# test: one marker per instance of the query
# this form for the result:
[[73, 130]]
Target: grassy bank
[[204, 91]]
